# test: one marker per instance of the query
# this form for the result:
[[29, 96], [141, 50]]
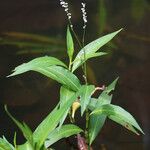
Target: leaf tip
[[5, 107]]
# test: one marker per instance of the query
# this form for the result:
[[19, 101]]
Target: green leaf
[[85, 96], [96, 124], [118, 115], [78, 62], [92, 103], [65, 95], [70, 45], [57, 73], [61, 75], [23, 127], [111, 87], [51, 121], [64, 132], [97, 121], [5, 145], [25, 146], [92, 48], [40, 62]]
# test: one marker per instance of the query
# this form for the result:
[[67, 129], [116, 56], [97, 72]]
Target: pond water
[[30, 96]]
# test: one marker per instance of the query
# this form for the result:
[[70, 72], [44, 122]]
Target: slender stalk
[[70, 63], [84, 64], [84, 67], [75, 35], [87, 128]]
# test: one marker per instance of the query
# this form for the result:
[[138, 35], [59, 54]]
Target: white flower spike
[[84, 14]]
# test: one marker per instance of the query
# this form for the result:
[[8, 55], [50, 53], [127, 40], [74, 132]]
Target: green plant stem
[[76, 37], [85, 78], [87, 128], [70, 63], [84, 64]]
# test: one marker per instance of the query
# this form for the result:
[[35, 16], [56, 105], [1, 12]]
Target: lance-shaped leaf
[[45, 61], [23, 127], [91, 49], [65, 95], [5, 145], [111, 87], [79, 61], [118, 115], [64, 132], [57, 73], [97, 121], [70, 45], [51, 121], [85, 96]]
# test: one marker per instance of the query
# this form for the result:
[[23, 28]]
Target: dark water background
[[30, 96]]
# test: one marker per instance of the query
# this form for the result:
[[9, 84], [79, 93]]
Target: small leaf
[[85, 96], [51, 121], [70, 45], [111, 87], [57, 73], [14, 140], [5, 145], [65, 95], [23, 127], [64, 132], [92, 48], [118, 115]]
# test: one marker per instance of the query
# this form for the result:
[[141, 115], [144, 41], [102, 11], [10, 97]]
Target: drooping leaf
[[85, 96], [65, 95], [23, 127], [92, 48], [70, 44], [51, 121], [123, 123], [5, 145], [45, 61], [97, 121], [118, 115], [57, 73], [64, 132], [96, 124]]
